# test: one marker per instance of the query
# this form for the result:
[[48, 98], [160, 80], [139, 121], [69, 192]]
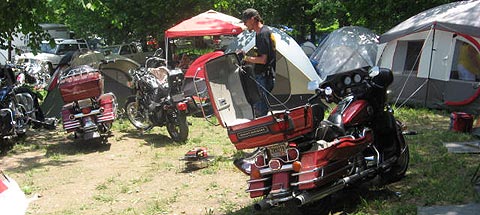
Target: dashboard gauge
[[357, 78], [347, 81]]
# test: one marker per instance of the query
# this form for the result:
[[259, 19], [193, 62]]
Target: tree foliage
[[20, 18], [123, 21]]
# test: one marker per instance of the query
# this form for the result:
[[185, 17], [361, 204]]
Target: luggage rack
[[81, 70]]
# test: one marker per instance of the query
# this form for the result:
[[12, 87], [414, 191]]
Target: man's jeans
[[264, 83]]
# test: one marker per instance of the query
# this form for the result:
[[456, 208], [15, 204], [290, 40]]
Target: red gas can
[[461, 122]]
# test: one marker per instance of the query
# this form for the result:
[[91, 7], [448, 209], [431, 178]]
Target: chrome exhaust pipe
[[308, 197], [262, 205]]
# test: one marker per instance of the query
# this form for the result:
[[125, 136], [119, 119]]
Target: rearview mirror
[[374, 71]]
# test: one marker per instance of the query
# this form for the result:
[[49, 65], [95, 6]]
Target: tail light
[[86, 110], [260, 160], [292, 154], [275, 164], [181, 106]]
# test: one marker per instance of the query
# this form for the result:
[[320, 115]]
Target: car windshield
[[47, 48], [64, 48]]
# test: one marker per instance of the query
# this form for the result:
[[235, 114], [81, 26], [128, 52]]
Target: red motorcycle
[[302, 158], [87, 111]]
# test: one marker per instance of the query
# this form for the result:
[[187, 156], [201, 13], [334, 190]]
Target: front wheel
[[137, 116], [177, 126]]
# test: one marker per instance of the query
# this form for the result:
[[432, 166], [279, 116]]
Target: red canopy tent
[[205, 24], [209, 23]]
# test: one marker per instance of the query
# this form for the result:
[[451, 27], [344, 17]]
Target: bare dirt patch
[[132, 174]]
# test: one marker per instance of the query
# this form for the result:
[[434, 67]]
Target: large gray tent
[[423, 52]]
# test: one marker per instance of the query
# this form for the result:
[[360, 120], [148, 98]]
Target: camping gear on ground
[[87, 111], [196, 158], [461, 122], [300, 157], [158, 99], [424, 51]]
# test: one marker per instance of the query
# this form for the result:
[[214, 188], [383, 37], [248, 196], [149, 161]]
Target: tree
[[22, 17]]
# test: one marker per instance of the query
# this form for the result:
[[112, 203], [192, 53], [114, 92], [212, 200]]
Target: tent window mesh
[[466, 65], [412, 58]]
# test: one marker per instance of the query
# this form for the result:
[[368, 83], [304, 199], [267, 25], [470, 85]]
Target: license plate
[[277, 150]]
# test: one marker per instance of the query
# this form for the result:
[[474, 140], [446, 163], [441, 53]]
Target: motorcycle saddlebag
[[81, 84], [271, 129]]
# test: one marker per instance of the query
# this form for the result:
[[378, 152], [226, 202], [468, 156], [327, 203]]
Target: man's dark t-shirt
[[265, 43]]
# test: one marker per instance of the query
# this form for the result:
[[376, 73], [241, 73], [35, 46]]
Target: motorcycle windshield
[[345, 49], [226, 91]]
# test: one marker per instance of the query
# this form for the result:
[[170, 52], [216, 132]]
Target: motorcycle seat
[[328, 131]]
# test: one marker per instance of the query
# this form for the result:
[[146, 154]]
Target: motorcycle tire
[[22, 123], [177, 126], [399, 168], [137, 117]]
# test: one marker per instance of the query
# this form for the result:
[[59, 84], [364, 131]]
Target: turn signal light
[[181, 106], [71, 117], [292, 154], [297, 166], [255, 173]]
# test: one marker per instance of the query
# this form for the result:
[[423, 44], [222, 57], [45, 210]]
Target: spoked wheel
[[21, 121], [137, 116], [177, 126]]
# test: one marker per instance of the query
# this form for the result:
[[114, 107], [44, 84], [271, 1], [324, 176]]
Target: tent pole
[[166, 51], [430, 65]]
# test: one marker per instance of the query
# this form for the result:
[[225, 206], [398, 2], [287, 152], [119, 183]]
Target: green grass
[[434, 177]]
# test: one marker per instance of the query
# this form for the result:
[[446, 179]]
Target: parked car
[[132, 51], [51, 55]]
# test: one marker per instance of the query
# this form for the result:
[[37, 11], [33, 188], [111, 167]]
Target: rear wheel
[[399, 168], [137, 116], [177, 126]]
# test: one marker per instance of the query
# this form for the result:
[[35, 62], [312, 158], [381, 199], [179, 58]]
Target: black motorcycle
[[16, 107], [158, 99]]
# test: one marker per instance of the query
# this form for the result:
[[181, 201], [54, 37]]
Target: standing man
[[264, 61]]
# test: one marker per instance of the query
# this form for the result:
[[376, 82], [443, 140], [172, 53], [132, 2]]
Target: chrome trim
[[268, 170], [321, 176], [257, 180], [81, 115], [258, 189]]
